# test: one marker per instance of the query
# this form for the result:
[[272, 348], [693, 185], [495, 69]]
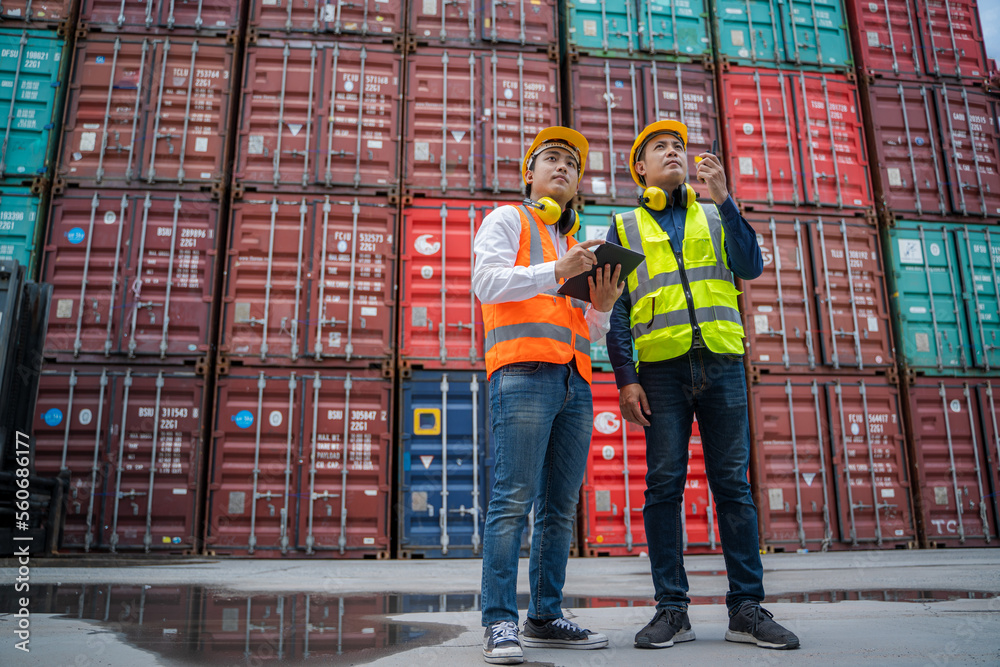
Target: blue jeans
[[713, 387], [541, 416]]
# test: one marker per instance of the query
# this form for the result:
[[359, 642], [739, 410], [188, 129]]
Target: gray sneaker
[[561, 633], [667, 627], [501, 645], [752, 624]]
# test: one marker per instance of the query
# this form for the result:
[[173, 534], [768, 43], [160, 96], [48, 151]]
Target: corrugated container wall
[[161, 17], [644, 29], [47, 14], [372, 20], [518, 26], [21, 220]]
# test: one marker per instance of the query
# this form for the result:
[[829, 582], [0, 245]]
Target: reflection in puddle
[[200, 625]]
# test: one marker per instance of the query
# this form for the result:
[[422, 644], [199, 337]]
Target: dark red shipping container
[[310, 280], [971, 145], [470, 117], [372, 19], [952, 38], [143, 112], [613, 492], [478, 24], [951, 460], [133, 275], [831, 465], [131, 438], [988, 399], [441, 320], [37, 13], [795, 138], [886, 36], [278, 483], [203, 18], [820, 304], [319, 114]]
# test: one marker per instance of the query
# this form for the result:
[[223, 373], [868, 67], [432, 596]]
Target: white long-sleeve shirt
[[496, 279]]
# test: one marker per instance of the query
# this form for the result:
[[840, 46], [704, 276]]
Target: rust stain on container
[[145, 112], [471, 115], [310, 280], [832, 463], [131, 438], [462, 24], [319, 114], [206, 17], [795, 138], [132, 274], [371, 19], [441, 320], [278, 481], [952, 461]]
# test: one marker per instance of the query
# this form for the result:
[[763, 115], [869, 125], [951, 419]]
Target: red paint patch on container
[[371, 19], [144, 112], [131, 438], [319, 114], [310, 280], [207, 17], [133, 275], [278, 485]]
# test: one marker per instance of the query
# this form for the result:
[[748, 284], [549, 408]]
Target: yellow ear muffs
[[686, 194], [548, 210], [569, 222], [654, 198]]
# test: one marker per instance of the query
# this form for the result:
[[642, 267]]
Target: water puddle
[[199, 625]]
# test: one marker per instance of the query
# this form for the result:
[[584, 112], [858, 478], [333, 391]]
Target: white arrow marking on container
[[809, 477], [459, 135], [426, 460], [295, 128]]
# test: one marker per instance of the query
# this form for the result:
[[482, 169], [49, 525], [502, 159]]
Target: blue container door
[[443, 490], [602, 27], [30, 62], [816, 34], [18, 226], [749, 33], [927, 292], [674, 28], [979, 265]]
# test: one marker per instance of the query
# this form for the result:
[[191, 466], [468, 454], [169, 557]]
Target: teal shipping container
[[801, 34], [31, 67], [594, 224], [677, 30], [20, 213], [944, 293]]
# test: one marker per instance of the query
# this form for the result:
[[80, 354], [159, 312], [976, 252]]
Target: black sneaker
[[752, 624], [501, 645], [561, 633], [668, 626]]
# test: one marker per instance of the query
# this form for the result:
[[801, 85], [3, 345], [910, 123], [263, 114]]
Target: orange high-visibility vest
[[547, 327]]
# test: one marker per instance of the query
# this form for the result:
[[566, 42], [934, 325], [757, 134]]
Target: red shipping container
[[278, 484], [470, 117], [971, 145], [203, 18], [951, 463], [441, 320], [830, 464], [133, 275], [795, 138], [886, 36], [131, 438], [613, 492], [143, 112], [821, 302], [906, 145], [319, 114], [310, 280], [988, 399], [952, 38], [479, 25], [37, 13], [372, 19]]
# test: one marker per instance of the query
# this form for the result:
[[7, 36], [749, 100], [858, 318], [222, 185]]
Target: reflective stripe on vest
[[661, 321], [537, 330]]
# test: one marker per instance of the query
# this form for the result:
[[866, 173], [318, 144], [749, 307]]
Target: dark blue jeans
[[541, 416], [713, 387]]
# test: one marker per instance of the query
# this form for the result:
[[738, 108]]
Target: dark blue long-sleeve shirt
[[742, 254]]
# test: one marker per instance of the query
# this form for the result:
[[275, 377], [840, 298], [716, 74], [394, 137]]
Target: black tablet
[[607, 253]]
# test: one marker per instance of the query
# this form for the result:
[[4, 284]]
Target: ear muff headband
[[551, 213], [656, 199]]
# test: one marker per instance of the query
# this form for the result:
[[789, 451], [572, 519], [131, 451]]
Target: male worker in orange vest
[[541, 409], [681, 315]]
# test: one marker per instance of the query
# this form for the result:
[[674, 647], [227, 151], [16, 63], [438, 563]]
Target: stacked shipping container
[[935, 143]]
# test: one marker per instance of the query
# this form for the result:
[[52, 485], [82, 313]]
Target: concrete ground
[[915, 608]]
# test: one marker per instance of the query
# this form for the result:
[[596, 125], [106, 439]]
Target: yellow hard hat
[[659, 127], [561, 137]]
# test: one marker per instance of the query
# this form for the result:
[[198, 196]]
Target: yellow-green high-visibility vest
[[662, 305]]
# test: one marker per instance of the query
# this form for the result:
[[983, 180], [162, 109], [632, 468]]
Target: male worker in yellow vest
[[681, 315], [541, 409]]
